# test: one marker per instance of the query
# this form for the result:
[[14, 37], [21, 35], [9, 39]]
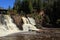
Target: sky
[[6, 3]]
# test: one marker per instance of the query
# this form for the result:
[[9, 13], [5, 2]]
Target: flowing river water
[[8, 27]]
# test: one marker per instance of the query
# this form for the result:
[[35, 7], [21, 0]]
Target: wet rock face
[[18, 21]]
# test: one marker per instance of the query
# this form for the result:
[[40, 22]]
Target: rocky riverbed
[[53, 34]]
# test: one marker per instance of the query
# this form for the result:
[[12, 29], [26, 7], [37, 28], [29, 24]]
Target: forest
[[51, 10]]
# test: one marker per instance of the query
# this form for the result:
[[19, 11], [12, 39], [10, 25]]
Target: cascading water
[[29, 24], [7, 26], [32, 21], [9, 23]]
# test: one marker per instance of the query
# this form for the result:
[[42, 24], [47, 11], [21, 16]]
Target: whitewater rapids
[[7, 26]]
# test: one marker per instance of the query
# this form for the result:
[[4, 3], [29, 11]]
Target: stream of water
[[8, 27]]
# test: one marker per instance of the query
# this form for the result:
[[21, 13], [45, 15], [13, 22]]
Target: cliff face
[[17, 20]]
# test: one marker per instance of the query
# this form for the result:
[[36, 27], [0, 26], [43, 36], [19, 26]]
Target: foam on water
[[29, 24], [7, 26]]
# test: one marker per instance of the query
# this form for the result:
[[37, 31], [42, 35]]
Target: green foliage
[[30, 6], [27, 6], [8, 13], [17, 5], [58, 21]]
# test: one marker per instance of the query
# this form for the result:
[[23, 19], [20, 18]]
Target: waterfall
[[25, 20], [29, 24], [7, 26], [9, 23], [32, 21]]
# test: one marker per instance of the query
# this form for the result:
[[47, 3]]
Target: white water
[[32, 21], [9, 23], [25, 20], [29, 24], [7, 26]]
